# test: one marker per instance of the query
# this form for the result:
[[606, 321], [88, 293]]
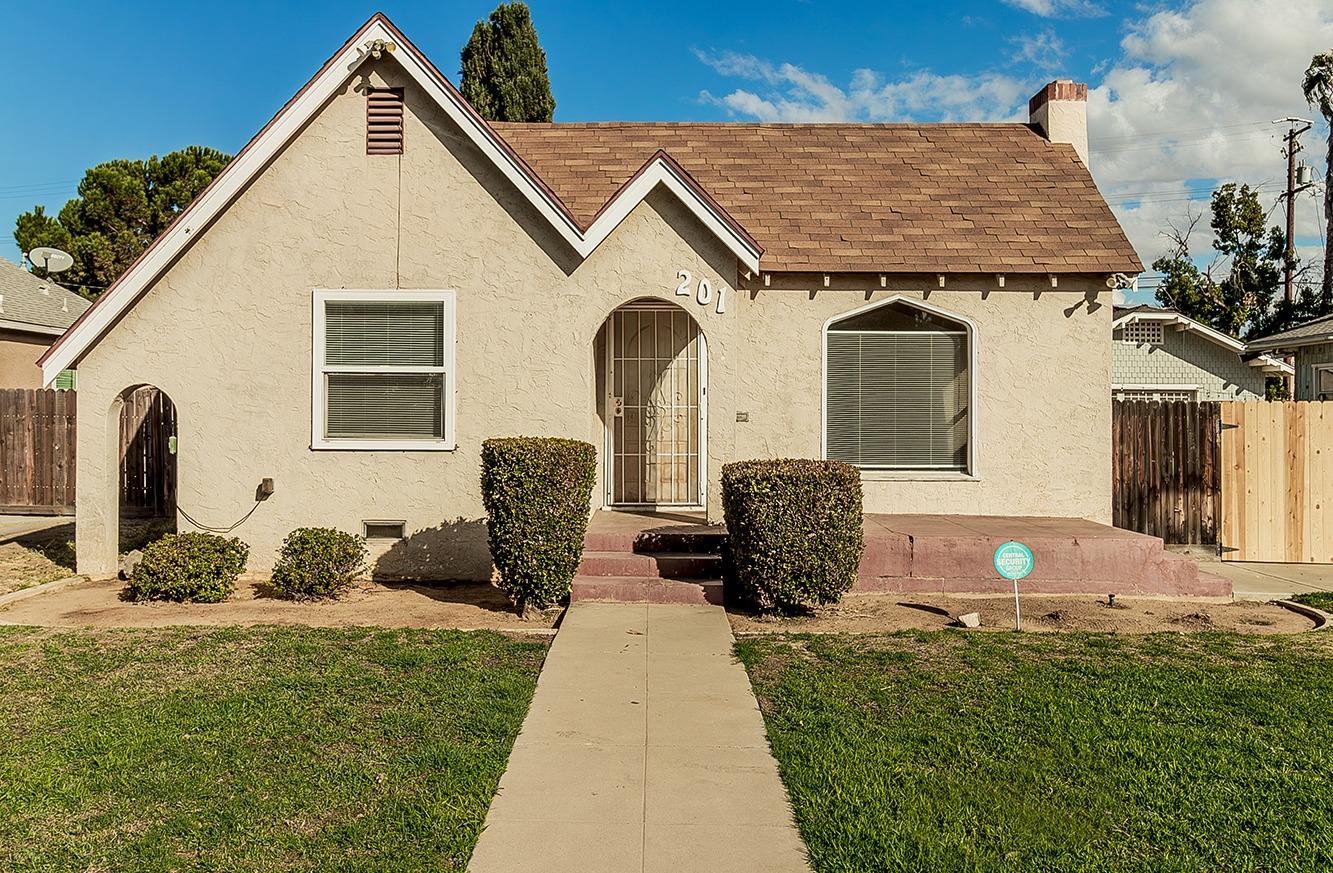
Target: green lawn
[[1319, 600], [951, 751], [253, 748]]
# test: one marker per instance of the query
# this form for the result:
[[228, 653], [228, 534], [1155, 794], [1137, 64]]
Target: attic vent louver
[[384, 121]]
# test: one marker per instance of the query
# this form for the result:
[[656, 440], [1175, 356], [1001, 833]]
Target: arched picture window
[[898, 389]]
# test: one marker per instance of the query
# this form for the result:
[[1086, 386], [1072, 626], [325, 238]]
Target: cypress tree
[[504, 68]]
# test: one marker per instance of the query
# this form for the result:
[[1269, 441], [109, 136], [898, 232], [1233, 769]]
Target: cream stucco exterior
[[227, 334]]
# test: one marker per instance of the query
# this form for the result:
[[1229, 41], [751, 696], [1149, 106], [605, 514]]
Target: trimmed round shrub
[[199, 567], [318, 562], [538, 493], [793, 531]]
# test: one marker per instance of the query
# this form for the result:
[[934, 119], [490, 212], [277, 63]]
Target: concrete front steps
[[673, 563], [641, 559]]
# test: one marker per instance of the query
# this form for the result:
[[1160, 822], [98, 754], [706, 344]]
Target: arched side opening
[[146, 467], [899, 389], [654, 390]]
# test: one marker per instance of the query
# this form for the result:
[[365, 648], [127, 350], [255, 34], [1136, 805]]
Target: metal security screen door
[[656, 385]]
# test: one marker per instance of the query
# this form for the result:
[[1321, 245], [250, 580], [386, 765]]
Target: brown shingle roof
[[967, 198]]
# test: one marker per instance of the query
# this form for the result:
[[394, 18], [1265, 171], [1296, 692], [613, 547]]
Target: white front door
[[656, 407]]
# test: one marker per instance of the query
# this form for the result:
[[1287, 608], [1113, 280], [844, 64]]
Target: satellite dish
[[49, 259]]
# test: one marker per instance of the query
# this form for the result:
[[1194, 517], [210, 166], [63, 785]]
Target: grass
[[37, 558], [1318, 599], [256, 749], [950, 751]]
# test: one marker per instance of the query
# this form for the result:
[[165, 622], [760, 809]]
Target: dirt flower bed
[[394, 605], [871, 613]]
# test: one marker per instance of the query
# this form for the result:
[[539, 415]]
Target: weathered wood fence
[[37, 430], [37, 451], [147, 465], [1166, 469], [1277, 481]]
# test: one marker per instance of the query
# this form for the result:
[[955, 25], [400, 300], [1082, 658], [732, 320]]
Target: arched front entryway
[[655, 406], [146, 458]]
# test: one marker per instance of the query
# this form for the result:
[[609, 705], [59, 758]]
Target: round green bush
[[318, 562], [199, 567], [793, 531], [538, 493]]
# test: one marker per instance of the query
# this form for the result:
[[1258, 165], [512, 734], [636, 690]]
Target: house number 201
[[703, 292]]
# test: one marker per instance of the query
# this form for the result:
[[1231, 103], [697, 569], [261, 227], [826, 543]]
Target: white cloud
[[1059, 8], [793, 94], [1043, 50], [1190, 101]]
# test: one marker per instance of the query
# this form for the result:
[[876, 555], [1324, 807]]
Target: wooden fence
[[1277, 481], [37, 451], [1166, 470], [147, 464], [37, 429]]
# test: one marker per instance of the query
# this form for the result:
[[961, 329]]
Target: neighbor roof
[[1123, 315], [1319, 330], [30, 303], [920, 198]]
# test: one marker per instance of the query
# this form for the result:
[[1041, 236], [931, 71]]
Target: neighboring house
[[33, 313], [1311, 344], [381, 280], [1159, 354]]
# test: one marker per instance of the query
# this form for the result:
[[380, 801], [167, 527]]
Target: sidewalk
[[1259, 581], [644, 750]]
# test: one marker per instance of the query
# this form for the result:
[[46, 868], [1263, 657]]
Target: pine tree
[[504, 68]]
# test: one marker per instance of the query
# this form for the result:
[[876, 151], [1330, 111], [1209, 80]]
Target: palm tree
[[1318, 88]]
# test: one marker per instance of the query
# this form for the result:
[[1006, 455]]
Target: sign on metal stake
[[1014, 561]]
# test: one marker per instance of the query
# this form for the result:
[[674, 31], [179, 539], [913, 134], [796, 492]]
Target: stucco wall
[[227, 334], [18, 359], [1306, 359], [1186, 359]]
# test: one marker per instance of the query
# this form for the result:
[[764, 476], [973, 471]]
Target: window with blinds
[[897, 390], [384, 368]]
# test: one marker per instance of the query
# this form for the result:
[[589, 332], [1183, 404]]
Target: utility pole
[[1293, 146]]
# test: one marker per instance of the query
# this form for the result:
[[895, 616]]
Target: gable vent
[[384, 121]]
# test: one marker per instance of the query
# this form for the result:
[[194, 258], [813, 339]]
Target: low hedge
[[793, 531], [199, 567], [537, 492], [318, 562]]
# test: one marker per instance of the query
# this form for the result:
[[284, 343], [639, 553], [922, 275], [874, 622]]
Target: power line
[[1162, 134]]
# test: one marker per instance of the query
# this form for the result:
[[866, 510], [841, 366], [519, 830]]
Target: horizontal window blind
[[898, 400], [398, 333], [385, 405]]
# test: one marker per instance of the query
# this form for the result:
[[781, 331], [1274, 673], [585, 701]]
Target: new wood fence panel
[[1165, 477], [1277, 462]]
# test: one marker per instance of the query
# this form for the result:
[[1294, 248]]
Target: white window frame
[[1315, 371], [318, 369], [971, 473]]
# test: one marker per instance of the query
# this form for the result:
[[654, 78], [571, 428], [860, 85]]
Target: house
[[33, 313], [381, 280], [1311, 344], [1160, 354]]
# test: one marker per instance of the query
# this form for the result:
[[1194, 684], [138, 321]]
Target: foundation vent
[[383, 530], [384, 121]]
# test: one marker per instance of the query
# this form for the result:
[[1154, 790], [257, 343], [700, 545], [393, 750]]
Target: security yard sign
[[1013, 560]]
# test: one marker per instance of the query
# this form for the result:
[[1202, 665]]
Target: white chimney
[[1060, 112]]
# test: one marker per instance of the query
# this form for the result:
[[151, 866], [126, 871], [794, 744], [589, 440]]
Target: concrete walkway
[[1259, 581], [644, 750]]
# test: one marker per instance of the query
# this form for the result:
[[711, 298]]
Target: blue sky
[[1182, 92]]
